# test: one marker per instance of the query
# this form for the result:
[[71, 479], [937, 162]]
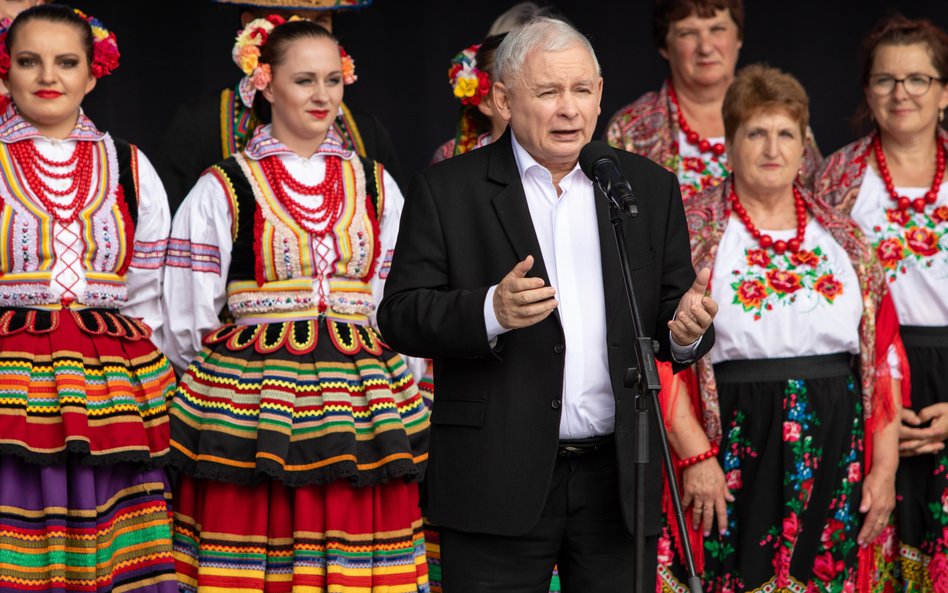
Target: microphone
[[599, 163]]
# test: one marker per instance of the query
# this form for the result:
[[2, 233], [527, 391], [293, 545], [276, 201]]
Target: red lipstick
[[319, 113], [48, 94]]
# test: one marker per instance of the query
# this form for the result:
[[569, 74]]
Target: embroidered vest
[[273, 269], [107, 223]]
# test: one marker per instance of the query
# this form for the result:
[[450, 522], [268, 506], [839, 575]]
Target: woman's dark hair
[[899, 30], [273, 52], [52, 13], [669, 11], [484, 59]]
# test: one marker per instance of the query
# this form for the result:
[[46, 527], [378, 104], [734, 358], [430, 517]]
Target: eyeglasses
[[915, 85]]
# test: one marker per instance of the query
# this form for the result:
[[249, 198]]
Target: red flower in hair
[[4, 56], [105, 57]]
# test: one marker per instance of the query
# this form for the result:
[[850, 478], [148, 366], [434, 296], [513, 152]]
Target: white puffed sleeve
[[195, 280], [388, 234], [143, 280]]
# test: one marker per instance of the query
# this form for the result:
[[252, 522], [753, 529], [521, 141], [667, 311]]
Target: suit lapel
[[510, 205]]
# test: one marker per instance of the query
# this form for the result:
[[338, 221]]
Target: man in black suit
[[506, 274]]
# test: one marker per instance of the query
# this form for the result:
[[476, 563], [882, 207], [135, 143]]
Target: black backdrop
[[173, 50]]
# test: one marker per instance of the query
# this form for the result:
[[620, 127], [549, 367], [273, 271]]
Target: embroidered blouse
[[649, 127], [197, 285], [91, 261], [708, 220], [780, 306], [912, 246]]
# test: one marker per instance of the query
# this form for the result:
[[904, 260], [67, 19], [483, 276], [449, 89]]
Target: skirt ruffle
[[82, 382], [301, 402]]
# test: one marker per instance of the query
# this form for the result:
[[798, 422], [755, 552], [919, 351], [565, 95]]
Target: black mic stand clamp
[[643, 378]]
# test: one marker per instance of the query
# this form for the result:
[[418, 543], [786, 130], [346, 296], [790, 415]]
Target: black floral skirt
[[792, 453], [922, 481]]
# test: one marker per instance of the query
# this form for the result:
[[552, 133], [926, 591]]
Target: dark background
[[173, 50]]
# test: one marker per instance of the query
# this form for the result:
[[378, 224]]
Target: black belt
[[821, 366], [924, 337], [577, 447]]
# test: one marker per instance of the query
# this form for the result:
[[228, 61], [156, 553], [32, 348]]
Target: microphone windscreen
[[593, 153]]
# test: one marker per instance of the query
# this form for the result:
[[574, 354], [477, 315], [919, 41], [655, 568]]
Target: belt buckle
[[572, 451]]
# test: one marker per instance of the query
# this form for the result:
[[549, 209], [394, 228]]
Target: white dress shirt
[[568, 233]]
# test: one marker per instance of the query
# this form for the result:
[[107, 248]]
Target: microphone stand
[[643, 377]]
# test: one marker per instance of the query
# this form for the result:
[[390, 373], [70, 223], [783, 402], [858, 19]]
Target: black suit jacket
[[496, 416]]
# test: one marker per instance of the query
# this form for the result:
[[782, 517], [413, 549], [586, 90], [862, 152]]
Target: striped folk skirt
[[300, 446], [83, 431]]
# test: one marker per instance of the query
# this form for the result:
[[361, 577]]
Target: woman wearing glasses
[[892, 182]]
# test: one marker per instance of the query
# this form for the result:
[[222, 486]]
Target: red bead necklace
[[766, 241], [717, 149], [318, 220], [903, 203], [31, 162]]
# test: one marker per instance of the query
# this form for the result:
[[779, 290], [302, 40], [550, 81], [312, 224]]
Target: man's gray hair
[[541, 33]]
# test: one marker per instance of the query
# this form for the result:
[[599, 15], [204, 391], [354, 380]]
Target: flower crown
[[470, 84], [246, 54], [105, 52]]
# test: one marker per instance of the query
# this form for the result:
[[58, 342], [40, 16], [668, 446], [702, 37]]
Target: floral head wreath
[[470, 84], [246, 55], [105, 52]]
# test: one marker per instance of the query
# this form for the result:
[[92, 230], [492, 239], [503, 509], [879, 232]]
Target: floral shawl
[[707, 218], [839, 179], [649, 127]]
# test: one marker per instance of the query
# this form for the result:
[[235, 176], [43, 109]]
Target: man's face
[[552, 107]]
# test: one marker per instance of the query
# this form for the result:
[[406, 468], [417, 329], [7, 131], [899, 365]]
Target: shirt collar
[[527, 164], [263, 144], [14, 128]]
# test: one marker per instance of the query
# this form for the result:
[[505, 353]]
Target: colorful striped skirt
[[83, 429], [74, 527], [300, 445], [82, 381]]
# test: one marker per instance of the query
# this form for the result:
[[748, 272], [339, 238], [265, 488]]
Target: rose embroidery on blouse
[[907, 239], [766, 279]]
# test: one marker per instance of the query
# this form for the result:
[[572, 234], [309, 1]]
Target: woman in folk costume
[[471, 79], [299, 436], [892, 183], [83, 415], [800, 394], [680, 126], [212, 127]]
